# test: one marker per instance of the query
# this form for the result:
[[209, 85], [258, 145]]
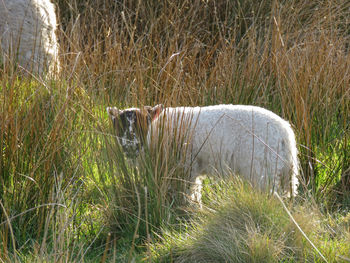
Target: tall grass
[[60, 167], [289, 56]]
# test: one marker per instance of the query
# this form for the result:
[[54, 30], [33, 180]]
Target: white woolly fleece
[[27, 34], [248, 140]]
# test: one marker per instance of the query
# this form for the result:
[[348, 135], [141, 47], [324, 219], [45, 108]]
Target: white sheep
[[246, 140], [27, 34]]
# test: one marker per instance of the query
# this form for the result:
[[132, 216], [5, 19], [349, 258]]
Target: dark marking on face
[[131, 126]]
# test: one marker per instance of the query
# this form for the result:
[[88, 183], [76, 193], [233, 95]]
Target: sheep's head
[[131, 126]]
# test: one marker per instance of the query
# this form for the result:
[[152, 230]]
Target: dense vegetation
[[66, 192]]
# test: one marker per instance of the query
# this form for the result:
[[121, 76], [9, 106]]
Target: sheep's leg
[[195, 191]]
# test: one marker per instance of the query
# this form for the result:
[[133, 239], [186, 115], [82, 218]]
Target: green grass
[[68, 194], [243, 225]]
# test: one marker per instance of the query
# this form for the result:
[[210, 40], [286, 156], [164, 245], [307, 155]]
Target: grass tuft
[[247, 226]]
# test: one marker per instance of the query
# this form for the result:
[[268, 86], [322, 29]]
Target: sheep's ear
[[155, 111], [113, 112], [148, 109]]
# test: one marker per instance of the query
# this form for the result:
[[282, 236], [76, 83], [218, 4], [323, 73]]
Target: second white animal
[[27, 34]]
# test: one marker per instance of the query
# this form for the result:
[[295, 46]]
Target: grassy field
[[68, 195]]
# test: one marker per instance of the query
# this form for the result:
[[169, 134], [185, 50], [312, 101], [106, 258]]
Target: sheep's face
[[131, 126]]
